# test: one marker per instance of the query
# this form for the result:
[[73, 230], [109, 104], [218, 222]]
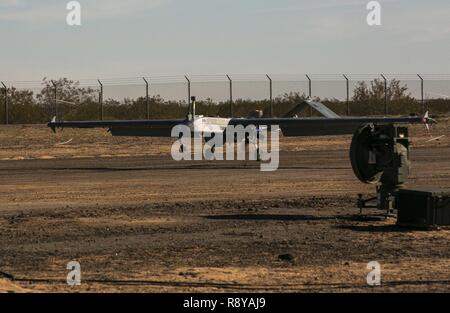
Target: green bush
[[79, 103]]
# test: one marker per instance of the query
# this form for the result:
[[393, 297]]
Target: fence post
[[6, 104], [385, 95], [309, 91], [231, 95], [421, 94], [100, 99], [147, 103], [55, 98], [189, 92], [348, 93], [271, 95]]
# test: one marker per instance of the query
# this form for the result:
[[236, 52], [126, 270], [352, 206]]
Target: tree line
[[82, 103]]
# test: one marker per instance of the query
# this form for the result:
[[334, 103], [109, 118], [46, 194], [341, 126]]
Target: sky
[[166, 37]]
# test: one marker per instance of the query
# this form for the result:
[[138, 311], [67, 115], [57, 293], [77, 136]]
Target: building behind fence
[[220, 95]]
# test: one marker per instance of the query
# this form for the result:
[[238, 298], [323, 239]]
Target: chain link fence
[[157, 97]]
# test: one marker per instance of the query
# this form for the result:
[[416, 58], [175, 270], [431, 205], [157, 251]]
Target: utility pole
[[421, 93], [348, 94], [271, 94], [147, 103], [189, 92], [6, 104], [100, 99], [385, 95], [231, 95], [309, 91], [55, 98]]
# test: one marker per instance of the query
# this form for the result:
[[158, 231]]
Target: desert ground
[[137, 221]]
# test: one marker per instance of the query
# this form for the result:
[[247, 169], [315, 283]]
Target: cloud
[[54, 11]]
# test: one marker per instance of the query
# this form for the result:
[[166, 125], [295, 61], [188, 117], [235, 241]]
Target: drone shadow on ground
[[232, 286], [381, 228], [337, 218], [268, 217], [214, 166], [291, 217]]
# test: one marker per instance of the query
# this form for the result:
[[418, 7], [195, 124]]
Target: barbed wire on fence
[[220, 94]]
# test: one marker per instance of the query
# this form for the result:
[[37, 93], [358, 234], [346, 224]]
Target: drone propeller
[[435, 138], [427, 121]]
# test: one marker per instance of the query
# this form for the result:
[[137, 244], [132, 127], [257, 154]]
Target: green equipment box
[[423, 207]]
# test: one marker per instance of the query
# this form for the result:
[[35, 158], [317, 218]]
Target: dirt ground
[[137, 221]]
